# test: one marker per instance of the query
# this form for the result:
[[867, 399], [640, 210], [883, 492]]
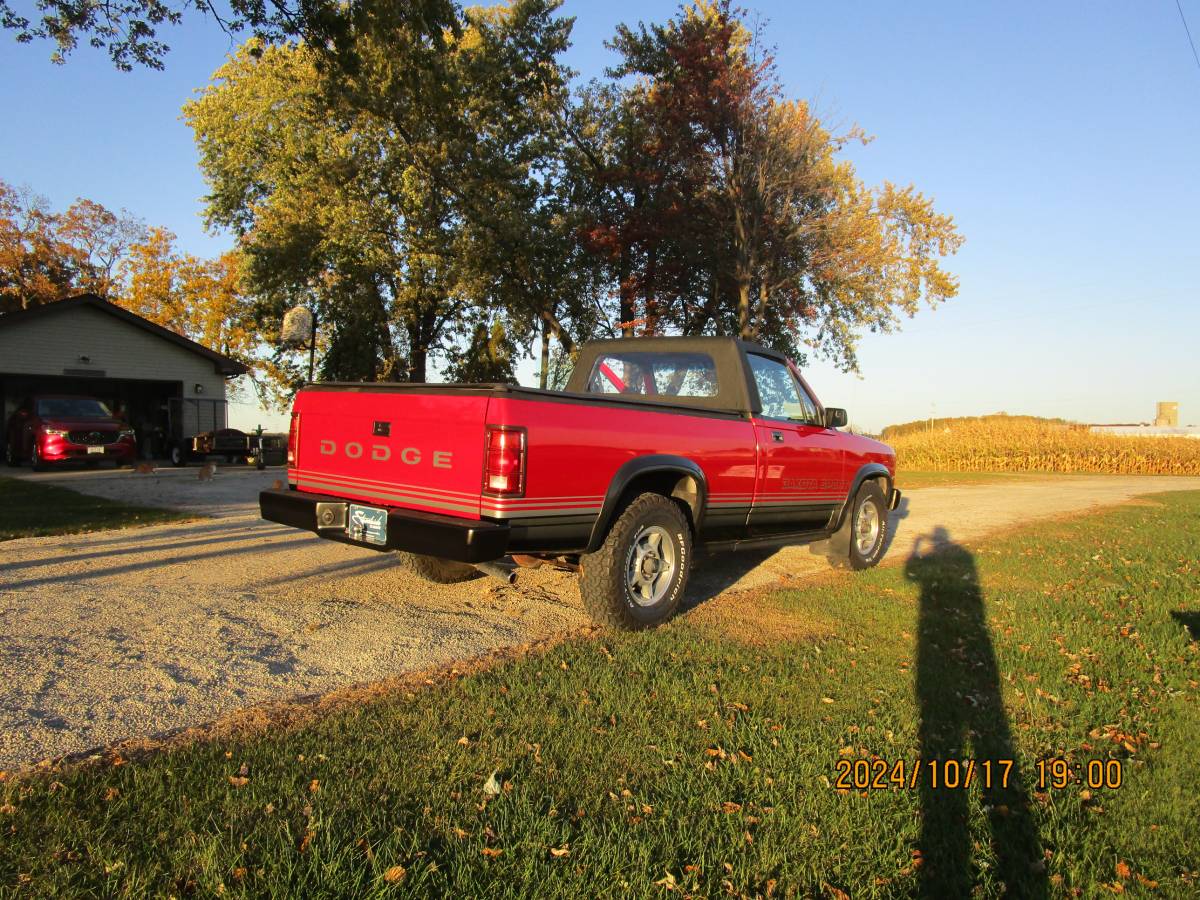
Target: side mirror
[[835, 417]]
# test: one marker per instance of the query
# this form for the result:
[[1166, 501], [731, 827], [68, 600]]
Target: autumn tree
[[46, 255], [738, 215], [36, 266], [204, 300], [409, 196], [101, 240], [493, 98]]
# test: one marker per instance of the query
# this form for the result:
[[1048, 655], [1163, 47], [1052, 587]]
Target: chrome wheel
[[650, 565], [868, 528]]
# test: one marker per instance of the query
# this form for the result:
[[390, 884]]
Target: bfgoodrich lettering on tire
[[863, 537], [637, 577], [439, 571]]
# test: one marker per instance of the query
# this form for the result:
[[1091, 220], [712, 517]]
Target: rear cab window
[[661, 374]]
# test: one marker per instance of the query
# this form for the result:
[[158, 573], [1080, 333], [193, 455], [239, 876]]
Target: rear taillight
[[293, 439], [504, 463]]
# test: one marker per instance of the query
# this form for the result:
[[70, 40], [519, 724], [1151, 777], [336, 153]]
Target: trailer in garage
[[167, 387]]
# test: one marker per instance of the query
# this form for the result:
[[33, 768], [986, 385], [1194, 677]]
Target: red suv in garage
[[58, 428]]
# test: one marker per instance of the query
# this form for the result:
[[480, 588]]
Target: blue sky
[[1063, 138]]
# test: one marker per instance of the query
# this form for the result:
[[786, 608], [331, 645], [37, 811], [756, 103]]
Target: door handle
[[777, 436]]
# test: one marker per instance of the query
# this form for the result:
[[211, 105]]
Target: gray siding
[[49, 345]]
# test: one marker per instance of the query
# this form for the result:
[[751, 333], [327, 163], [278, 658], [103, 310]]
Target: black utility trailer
[[197, 432]]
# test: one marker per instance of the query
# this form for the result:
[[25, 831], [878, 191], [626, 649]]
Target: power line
[[1188, 31]]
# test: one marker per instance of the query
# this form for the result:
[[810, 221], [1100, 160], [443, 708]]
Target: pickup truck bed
[[471, 473]]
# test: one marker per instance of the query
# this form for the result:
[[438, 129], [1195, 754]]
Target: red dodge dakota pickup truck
[[657, 448]]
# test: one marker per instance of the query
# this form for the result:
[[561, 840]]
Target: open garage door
[[144, 404]]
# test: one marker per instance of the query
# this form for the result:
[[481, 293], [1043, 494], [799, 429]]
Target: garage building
[[166, 386]]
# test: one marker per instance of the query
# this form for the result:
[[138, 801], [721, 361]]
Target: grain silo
[[1168, 414]]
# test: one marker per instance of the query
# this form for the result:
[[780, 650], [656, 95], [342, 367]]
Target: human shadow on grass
[[962, 718]]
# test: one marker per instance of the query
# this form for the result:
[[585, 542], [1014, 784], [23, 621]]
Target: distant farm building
[[1166, 424]]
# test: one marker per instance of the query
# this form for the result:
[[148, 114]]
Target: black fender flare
[[635, 468], [868, 470]]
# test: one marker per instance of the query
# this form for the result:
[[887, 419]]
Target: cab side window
[[781, 395]]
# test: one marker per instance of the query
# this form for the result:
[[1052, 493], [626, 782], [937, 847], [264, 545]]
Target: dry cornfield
[[1026, 444]]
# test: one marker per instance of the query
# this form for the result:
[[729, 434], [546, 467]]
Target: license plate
[[368, 524], [95, 449]]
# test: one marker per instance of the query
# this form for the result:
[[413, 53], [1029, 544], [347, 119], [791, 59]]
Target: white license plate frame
[[367, 524]]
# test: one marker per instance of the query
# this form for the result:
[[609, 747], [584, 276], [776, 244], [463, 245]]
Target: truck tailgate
[[394, 447]]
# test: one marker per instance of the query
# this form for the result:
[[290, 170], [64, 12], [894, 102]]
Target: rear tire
[[176, 455], [437, 570], [637, 577], [861, 541]]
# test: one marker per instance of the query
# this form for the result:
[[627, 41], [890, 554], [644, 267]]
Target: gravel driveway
[[121, 634]]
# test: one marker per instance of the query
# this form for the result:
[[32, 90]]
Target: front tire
[[437, 570], [35, 456], [861, 541], [637, 577], [176, 456], [10, 456]]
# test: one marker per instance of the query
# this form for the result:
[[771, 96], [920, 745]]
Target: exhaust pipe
[[505, 574]]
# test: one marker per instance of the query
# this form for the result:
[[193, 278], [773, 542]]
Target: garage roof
[[224, 364]]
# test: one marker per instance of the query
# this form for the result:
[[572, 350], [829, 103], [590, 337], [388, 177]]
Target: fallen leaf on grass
[[1123, 871], [308, 836], [314, 786], [560, 852], [827, 700], [394, 874], [668, 881], [492, 786], [238, 780], [112, 794], [491, 852]]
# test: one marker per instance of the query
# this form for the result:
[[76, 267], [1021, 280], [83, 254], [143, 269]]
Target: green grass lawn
[[28, 509], [703, 758]]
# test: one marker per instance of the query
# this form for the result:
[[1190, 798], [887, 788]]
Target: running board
[[766, 541]]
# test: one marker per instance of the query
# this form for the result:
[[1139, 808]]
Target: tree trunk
[[745, 330], [418, 350], [557, 330], [628, 307], [651, 324], [763, 297], [543, 379]]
